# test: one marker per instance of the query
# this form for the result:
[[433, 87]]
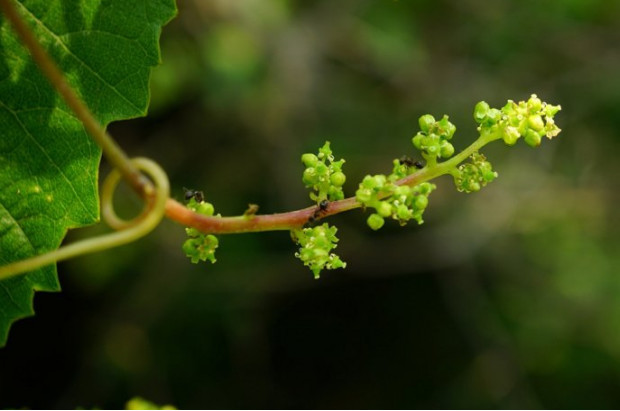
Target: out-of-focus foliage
[[506, 298], [139, 403]]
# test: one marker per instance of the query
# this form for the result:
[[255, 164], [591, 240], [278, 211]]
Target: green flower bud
[[421, 202], [532, 138], [536, 122], [375, 221], [490, 176], [433, 149], [335, 193], [447, 150], [338, 178], [426, 122], [192, 232], [402, 191], [363, 195], [309, 159], [480, 111], [534, 104], [403, 213], [205, 208], [417, 141], [384, 209], [450, 130], [510, 135], [310, 176], [368, 182], [447, 128], [426, 188], [523, 126], [487, 174], [493, 116], [379, 181], [321, 169], [509, 109]]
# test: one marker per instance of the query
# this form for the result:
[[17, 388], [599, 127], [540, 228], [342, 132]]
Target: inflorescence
[[323, 175], [433, 139], [315, 246], [531, 119], [403, 194], [200, 246], [400, 202]]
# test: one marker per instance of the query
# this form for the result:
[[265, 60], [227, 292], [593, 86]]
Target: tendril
[[149, 218]]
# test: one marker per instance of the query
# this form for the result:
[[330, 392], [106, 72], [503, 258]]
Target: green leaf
[[48, 164]]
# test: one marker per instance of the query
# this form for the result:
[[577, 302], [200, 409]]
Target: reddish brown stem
[[269, 222], [244, 224]]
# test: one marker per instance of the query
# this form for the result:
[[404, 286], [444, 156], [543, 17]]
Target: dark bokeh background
[[509, 298]]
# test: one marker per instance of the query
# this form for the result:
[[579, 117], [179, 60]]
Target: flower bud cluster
[[402, 203], [316, 243], [433, 137], [199, 246], [472, 176], [531, 119], [323, 175]]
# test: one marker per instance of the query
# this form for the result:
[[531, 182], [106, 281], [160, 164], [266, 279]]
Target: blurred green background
[[509, 298]]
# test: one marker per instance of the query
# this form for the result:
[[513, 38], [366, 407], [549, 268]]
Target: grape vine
[[402, 195]]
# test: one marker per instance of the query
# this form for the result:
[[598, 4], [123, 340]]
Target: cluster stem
[[296, 219]]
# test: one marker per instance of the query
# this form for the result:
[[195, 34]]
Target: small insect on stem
[[322, 207], [195, 194], [409, 162]]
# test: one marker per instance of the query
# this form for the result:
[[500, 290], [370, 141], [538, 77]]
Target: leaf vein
[[68, 51], [51, 161]]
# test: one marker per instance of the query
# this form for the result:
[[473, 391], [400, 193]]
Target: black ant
[[195, 194], [406, 160], [322, 207]]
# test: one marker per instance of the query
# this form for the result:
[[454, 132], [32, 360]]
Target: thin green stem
[[445, 167]]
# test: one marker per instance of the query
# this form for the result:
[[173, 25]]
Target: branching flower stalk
[[401, 195], [295, 219]]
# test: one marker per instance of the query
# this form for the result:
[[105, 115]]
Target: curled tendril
[[153, 212]]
